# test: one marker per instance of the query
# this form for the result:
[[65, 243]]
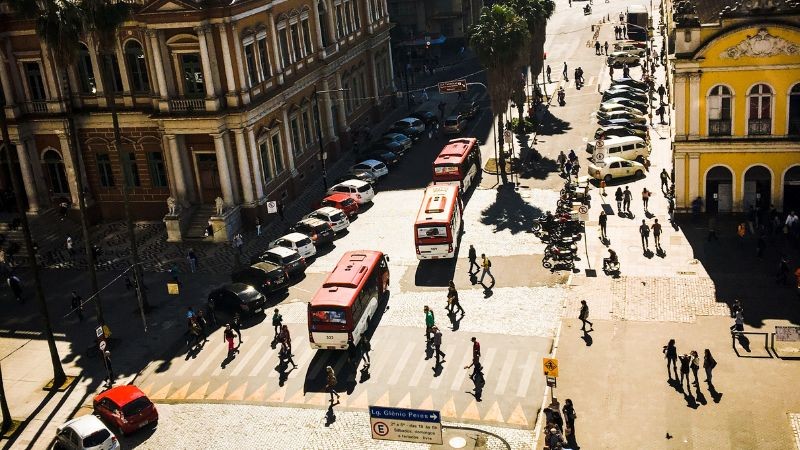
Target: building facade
[[450, 18], [735, 86], [214, 101]]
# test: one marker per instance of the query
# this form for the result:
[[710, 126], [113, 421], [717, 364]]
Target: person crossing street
[[644, 232], [583, 315], [487, 268]]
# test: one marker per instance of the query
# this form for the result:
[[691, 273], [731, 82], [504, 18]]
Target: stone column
[[155, 47], [339, 97], [369, 15], [224, 170], [237, 49], [289, 144], [680, 180], [233, 100], [276, 48], [98, 79], [330, 12], [28, 178], [324, 105], [375, 89], [72, 180], [694, 105], [694, 177], [177, 169], [680, 105], [212, 103], [5, 79], [255, 158], [244, 165], [317, 26], [127, 99]]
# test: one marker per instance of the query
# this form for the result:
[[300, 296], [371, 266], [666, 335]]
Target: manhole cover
[[457, 442]]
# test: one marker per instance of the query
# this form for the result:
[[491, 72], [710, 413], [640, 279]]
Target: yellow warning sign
[[173, 289], [550, 367]]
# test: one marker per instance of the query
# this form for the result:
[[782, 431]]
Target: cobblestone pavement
[[794, 419], [212, 427]]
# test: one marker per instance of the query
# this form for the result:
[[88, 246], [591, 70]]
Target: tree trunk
[[502, 156], [58, 372], [7, 422], [144, 305], [82, 206]]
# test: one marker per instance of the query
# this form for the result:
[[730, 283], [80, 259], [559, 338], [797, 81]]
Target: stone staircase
[[199, 222], [48, 230]]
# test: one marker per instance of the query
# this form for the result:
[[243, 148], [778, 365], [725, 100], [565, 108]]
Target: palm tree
[[60, 25], [497, 38], [536, 13]]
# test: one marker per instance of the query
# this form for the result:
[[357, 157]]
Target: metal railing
[[759, 127], [35, 107], [187, 104], [719, 127]]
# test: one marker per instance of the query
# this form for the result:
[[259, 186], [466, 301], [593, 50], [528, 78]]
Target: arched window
[[56, 174], [760, 112], [137, 68], [719, 111], [794, 111], [85, 71]]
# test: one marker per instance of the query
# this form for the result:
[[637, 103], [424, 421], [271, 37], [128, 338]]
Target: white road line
[[401, 364], [301, 342], [505, 373], [303, 360], [462, 373], [219, 349], [438, 380], [252, 353], [487, 363], [382, 364], [527, 373], [421, 366]]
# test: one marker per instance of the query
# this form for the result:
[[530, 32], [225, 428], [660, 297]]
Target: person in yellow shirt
[[487, 268]]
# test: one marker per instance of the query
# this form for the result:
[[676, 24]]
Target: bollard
[[592, 27]]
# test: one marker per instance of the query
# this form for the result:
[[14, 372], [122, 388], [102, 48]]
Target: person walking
[[603, 222], [211, 313], [430, 321], [569, 416], [712, 229], [437, 345], [70, 247], [644, 232], [664, 181], [656, 227], [597, 47], [228, 337], [738, 323], [741, 230], [561, 159], [473, 258], [281, 212], [277, 322], [671, 355], [618, 198], [564, 72], [76, 302], [584, 317], [258, 226], [202, 324], [109, 368], [452, 299], [487, 268], [548, 72], [685, 361], [366, 347], [708, 364], [330, 383], [645, 198], [695, 366], [236, 325], [605, 48], [286, 345], [627, 196], [192, 257], [476, 367]]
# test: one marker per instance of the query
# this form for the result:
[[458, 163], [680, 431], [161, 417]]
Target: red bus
[[459, 163], [439, 221], [342, 308]]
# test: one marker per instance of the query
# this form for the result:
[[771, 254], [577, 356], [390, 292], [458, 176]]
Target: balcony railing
[[794, 126], [759, 127], [187, 104], [719, 127], [35, 107]]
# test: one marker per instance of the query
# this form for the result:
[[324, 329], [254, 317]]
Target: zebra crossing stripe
[[199, 393], [251, 353], [162, 393], [219, 394], [181, 392], [471, 412], [494, 414], [238, 394], [279, 395], [258, 394]]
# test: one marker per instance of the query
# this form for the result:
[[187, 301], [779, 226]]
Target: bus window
[[431, 232], [446, 170], [329, 316]]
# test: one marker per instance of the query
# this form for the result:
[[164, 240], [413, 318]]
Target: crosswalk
[[400, 376]]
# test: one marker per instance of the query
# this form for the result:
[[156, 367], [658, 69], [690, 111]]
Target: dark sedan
[[264, 276], [285, 258], [238, 298], [318, 231], [388, 157], [429, 117]]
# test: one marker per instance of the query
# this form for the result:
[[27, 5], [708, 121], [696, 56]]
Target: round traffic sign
[[599, 143], [102, 345], [583, 209], [507, 136], [598, 157]]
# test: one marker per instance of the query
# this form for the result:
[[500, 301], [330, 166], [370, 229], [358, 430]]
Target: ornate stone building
[[215, 99]]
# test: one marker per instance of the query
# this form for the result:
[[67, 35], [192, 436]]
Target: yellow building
[[735, 84]]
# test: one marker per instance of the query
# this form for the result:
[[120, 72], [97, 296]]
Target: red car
[[343, 202], [126, 407]]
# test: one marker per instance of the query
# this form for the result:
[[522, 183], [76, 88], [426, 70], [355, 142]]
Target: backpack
[[489, 262]]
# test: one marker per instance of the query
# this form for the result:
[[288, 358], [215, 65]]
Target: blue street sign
[[417, 415]]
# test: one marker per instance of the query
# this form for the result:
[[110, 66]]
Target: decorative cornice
[[762, 45]]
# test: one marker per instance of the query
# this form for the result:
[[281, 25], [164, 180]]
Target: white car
[[613, 107], [613, 167], [298, 242], [371, 166], [336, 218], [86, 433], [617, 59], [358, 190], [409, 124], [629, 48]]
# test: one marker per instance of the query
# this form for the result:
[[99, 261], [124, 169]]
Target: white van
[[628, 147]]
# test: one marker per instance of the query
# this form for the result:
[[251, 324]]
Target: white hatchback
[[613, 167], [298, 242], [371, 166], [336, 218], [358, 190], [86, 433]]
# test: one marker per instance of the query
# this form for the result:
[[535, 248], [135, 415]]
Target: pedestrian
[[741, 231], [577, 78], [548, 71], [192, 257], [477, 372], [211, 313], [286, 345], [611, 71], [281, 213], [564, 72], [671, 354], [77, 305], [555, 440], [237, 326], [109, 368], [430, 321], [202, 323], [561, 159], [645, 198], [661, 111], [487, 268], [644, 232], [190, 313], [366, 348], [736, 308], [603, 222], [695, 366], [437, 345], [258, 226], [671, 209], [685, 363], [569, 416], [712, 229], [473, 258], [330, 383], [605, 48], [664, 181], [596, 47], [70, 247], [452, 299], [661, 92], [193, 338], [626, 72], [228, 337], [656, 227], [618, 197], [277, 321], [584, 317], [603, 187], [738, 323], [567, 169], [708, 364], [627, 196]]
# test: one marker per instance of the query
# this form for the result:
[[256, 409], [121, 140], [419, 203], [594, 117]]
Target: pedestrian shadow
[[228, 359], [487, 291], [455, 320], [715, 396], [587, 338], [660, 252], [477, 391], [510, 212], [700, 397], [330, 416], [691, 402], [438, 368], [649, 215], [648, 254], [364, 374]]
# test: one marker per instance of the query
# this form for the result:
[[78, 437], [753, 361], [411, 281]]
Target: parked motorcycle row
[[562, 230]]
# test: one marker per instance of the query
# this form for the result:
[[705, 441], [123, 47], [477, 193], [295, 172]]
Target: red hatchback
[[126, 407], [343, 202]]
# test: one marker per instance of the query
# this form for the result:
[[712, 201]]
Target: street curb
[[553, 350]]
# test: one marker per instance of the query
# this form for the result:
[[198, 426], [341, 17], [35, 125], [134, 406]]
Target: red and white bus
[[342, 308], [439, 221], [459, 163]]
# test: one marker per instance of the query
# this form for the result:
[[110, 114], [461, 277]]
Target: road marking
[[210, 358], [487, 363], [199, 393], [527, 373], [219, 394], [252, 353], [266, 357], [591, 80], [421, 366], [451, 348], [162, 393], [401, 363], [383, 365], [181, 392], [303, 360], [462, 373], [505, 373]]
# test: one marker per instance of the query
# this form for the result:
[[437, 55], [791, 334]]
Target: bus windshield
[[328, 316], [431, 232]]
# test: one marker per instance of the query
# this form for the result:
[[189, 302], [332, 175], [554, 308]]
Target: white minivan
[[631, 148]]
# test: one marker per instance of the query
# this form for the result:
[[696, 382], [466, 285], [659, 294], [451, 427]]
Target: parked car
[[240, 298], [359, 191], [336, 218], [613, 167], [385, 156], [611, 107], [618, 59], [639, 44], [454, 124], [341, 201], [410, 126], [264, 276], [629, 48], [285, 258], [631, 148], [624, 88], [363, 176], [396, 142], [296, 241], [126, 408], [371, 166], [624, 93], [630, 82], [468, 109], [623, 123], [318, 231], [429, 118], [634, 118], [86, 433], [641, 107], [618, 131]]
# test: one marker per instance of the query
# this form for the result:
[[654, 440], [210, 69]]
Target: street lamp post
[[322, 154]]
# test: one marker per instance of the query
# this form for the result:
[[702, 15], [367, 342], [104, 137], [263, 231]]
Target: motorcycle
[[563, 259]]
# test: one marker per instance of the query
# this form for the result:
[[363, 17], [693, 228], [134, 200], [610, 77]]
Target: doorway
[[207, 177], [791, 190], [757, 188], [719, 190]]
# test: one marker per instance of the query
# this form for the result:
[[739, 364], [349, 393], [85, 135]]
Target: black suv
[[320, 232], [264, 276], [429, 117]]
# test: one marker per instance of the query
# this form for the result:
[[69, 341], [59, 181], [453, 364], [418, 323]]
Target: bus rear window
[[431, 232], [445, 170], [328, 316]]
